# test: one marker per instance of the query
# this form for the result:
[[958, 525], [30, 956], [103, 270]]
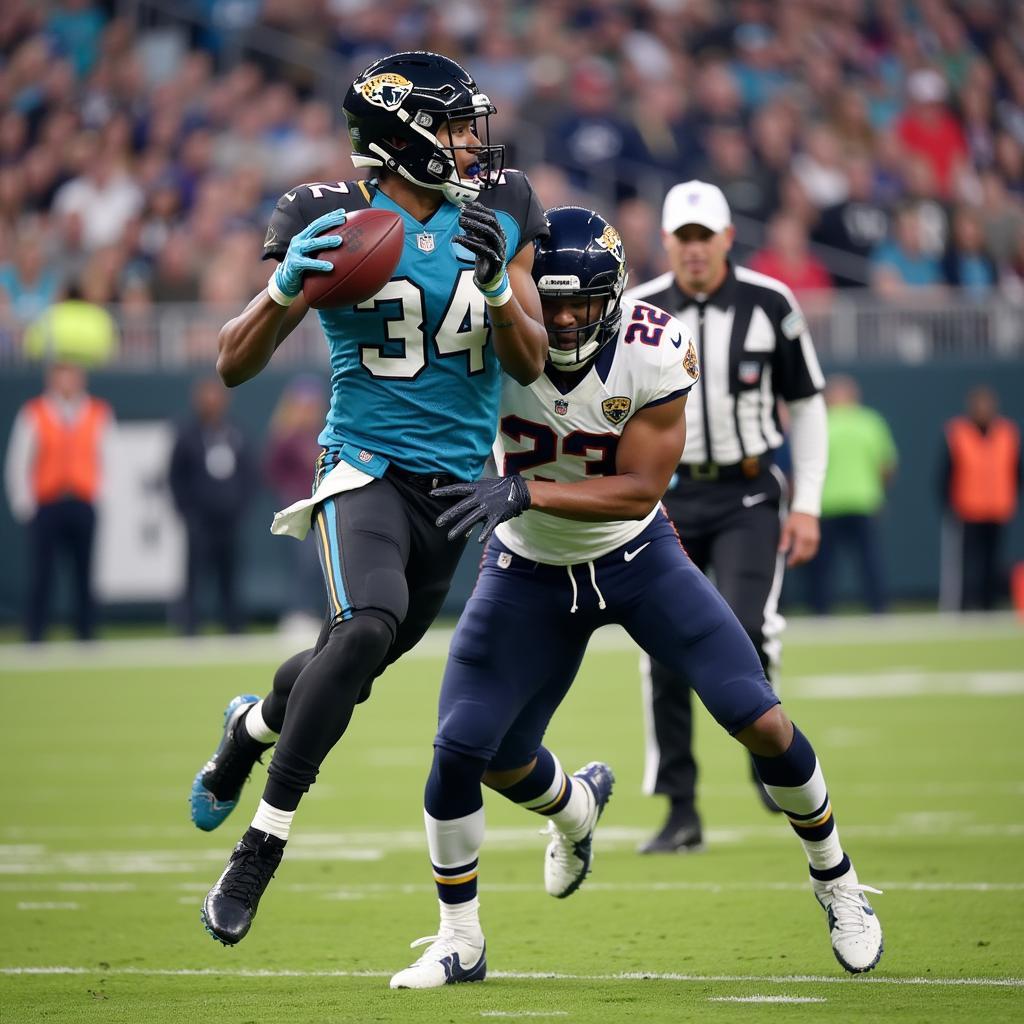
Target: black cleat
[[231, 904], [680, 834]]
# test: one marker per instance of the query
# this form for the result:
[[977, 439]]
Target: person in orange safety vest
[[981, 478], [53, 473]]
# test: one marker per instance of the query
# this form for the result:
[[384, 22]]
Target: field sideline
[[916, 719]]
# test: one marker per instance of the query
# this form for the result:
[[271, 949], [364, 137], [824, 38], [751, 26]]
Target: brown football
[[364, 262]]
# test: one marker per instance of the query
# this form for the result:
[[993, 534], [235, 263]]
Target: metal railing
[[846, 326]]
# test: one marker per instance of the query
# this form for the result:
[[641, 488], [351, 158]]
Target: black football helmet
[[582, 258], [395, 109]]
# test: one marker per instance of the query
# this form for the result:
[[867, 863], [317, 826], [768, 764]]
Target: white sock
[[462, 919], [824, 851], [455, 842], [573, 820], [256, 727], [273, 820]]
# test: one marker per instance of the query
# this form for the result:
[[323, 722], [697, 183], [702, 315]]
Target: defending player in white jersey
[[580, 540]]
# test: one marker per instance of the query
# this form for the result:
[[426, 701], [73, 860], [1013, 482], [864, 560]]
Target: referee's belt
[[746, 469]]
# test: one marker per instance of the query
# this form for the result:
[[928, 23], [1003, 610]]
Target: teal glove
[[286, 281]]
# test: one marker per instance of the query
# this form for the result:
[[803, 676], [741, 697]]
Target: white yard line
[[524, 1013], [38, 859], [49, 906], [173, 652], [905, 683], [766, 999], [738, 979]]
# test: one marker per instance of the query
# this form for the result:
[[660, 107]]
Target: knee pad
[[365, 638], [359, 646]]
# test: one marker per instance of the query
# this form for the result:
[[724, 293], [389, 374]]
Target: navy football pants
[[519, 643]]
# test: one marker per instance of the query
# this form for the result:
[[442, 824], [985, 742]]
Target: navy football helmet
[[397, 105], [581, 260]]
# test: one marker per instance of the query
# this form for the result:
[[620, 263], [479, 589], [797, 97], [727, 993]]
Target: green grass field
[[917, 723]]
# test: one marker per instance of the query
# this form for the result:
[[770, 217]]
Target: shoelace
[[231, 769], [248, 876], [848, 907], [440, 947]]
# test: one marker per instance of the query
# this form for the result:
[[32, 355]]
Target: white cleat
[[852, 923], [567, 861], [447, 961]]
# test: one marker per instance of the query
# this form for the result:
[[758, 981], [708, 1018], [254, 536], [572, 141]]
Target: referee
[[728, 500]]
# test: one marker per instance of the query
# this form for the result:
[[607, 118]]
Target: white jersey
[[544, 434]]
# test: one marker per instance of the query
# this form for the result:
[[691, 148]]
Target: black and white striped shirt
[[753, 347]]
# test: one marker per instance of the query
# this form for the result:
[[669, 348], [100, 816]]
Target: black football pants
[[387, 569]]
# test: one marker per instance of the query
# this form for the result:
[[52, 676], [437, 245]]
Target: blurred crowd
[[858, 143]]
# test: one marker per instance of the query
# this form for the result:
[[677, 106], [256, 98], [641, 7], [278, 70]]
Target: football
[[363, 263]]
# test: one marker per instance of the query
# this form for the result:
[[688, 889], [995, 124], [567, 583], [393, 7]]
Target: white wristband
[[501, 297], [276, 294]]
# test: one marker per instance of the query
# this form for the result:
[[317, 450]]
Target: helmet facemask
[[394, 123], [603, 316], [582, 262]]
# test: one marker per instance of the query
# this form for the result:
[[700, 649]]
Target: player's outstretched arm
[[517, 324], [246, 343], [648, 454]]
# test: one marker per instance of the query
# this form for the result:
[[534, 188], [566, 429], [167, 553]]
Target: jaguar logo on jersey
[[561, 406], [690, 362], [387, 90], [611, 241], [616, 409]]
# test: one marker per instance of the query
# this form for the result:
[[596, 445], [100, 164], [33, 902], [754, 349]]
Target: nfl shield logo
[[504, 560], [365, 456], [425, 242], [749, 371], [561, 406]]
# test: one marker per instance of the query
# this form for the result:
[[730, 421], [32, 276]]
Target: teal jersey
[[414, 377]]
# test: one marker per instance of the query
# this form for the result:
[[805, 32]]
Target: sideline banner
[[140, 540]]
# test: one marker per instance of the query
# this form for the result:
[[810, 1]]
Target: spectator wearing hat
[[928, 129]]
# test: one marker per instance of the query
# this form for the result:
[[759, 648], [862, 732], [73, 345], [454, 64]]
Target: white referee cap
[[695, 202]]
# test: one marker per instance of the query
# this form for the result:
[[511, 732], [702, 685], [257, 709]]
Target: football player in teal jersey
[[416, 375]]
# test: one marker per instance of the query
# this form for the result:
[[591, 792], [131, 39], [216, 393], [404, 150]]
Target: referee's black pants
[[730, 528]]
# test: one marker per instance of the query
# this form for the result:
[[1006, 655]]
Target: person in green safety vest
[[861, 463]]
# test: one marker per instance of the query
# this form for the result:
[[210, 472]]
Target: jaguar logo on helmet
[[611, 241], [385, 90]]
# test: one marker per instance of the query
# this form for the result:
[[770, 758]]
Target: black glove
[[484, 238], [492, 500]]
